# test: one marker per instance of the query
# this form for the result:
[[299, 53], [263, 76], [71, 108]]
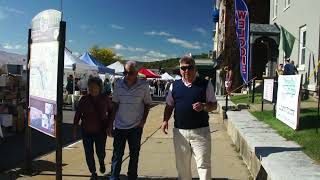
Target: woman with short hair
[[93, 110]]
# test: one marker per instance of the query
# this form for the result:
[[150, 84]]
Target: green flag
[[286, 41]]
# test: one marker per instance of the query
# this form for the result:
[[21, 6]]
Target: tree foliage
[[104, 55], [168, 63]]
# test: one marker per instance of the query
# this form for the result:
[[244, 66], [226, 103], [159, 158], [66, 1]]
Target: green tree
[[104, 55]]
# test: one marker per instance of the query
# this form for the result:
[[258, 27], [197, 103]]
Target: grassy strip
[[307, 136], [245, 98]]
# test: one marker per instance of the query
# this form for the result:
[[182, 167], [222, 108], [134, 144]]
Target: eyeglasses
[[184, 68], [130, 73]]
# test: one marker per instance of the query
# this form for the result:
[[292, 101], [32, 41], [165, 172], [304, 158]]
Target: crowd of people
[[159, 87], [124, 116], [81, 85]]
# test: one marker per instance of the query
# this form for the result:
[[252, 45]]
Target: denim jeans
[[99, 140], [133, 136]]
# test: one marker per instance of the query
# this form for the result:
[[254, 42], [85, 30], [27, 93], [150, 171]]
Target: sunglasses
[[130, 73], [184, 68]]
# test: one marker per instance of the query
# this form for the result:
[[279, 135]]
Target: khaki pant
[[196, 142]]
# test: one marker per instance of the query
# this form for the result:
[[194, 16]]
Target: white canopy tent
[[166, 76], [12, 58], [117, 66], [12, 63], [177, 77], [82, 69], [80, 66]]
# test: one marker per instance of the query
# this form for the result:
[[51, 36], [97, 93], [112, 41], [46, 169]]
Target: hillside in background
[[168, 63]]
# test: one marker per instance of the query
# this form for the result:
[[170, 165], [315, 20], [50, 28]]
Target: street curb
[[267, 154]]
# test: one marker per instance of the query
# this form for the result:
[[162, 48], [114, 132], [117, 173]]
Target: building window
[[287, 3], [302, 45], [275, 8]]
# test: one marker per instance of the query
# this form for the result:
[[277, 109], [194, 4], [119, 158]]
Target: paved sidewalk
[[157, 159]]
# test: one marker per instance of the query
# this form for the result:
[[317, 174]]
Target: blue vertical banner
[[242, 30]]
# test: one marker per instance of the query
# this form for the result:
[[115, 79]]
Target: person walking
[[228, 79], [288, 68], [191, 98], [294, 68], [106, 87], [83, 83], [69, 86], [94, 111], [279, 70], [131, 100]]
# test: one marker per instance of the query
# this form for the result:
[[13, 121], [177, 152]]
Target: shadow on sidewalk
[[309, 120], [38, 166], [123, 177], [266, 151], [17, 174], [12, 151], [142, 178]]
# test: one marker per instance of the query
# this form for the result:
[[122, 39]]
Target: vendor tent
[[80, 66], [166, 76], [149, 73], [12, 58], [117, 66], [141, 76], [177, 77], [91, 60]]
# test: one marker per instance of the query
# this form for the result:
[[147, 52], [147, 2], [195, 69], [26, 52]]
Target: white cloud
[[118, 47], [133, 49], [70, 41], [204, 44], [13, 10], [119, 54], [184, 43], [13, 46], [156, 54], [88, 28], [91, 32], [155, 33], [7, 11], [114, 26], [200, 30], [142, 58], [77, 54], [128, 48], [84, 27], [150, 56], [2, 15]]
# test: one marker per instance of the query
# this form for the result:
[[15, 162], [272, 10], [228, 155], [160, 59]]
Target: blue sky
[[143, 30]]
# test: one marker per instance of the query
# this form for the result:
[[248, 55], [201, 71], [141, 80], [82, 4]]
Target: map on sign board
[[43, 74]]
